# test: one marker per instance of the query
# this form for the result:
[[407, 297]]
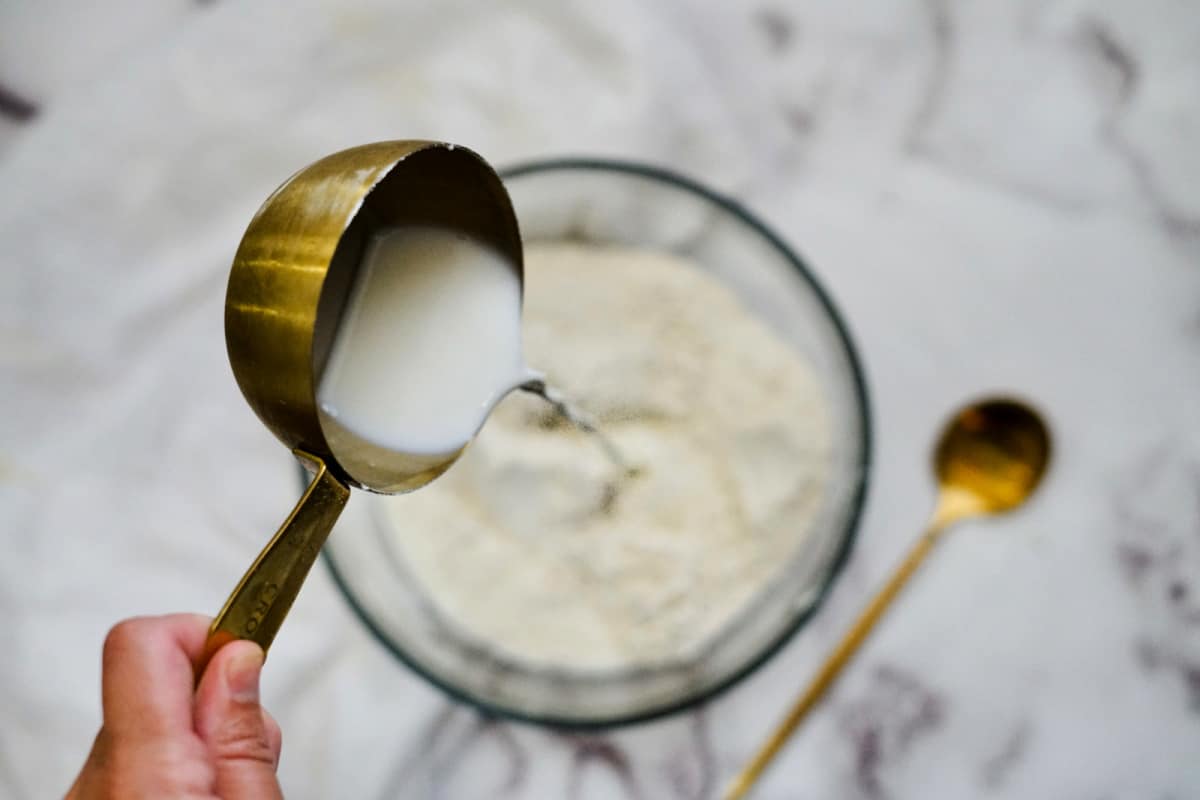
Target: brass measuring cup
[[288, 287]]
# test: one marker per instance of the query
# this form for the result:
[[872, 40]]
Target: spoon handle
[[263, 597], [837, 660]]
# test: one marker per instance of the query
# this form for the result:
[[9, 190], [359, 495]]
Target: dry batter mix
[[537, 547]]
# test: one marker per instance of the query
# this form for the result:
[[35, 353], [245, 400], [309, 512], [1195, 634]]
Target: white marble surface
[[1000, 195]]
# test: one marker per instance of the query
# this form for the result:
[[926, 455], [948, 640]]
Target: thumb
[[231, 722]]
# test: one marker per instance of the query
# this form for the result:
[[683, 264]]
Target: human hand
[[164, 736]]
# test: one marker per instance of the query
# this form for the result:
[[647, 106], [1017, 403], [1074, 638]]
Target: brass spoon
[[989, 460], [287, 291]]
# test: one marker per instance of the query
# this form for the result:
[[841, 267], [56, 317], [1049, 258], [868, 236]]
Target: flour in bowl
[[537, 547]]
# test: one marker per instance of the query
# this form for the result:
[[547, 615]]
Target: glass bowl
[[610, 202]]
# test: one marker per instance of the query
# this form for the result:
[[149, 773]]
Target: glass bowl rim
[[854, 509]]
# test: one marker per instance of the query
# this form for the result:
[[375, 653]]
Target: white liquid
[[429, 341]]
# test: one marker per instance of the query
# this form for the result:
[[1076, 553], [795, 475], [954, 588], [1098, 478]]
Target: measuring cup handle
[[256, 608]]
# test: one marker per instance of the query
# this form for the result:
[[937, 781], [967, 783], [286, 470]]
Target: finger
[[147, 677], [274, 736], [231, 722]]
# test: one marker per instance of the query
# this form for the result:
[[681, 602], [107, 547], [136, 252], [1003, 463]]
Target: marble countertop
[[1000, 196]]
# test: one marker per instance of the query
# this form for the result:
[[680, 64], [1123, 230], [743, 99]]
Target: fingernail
[[241, 673]]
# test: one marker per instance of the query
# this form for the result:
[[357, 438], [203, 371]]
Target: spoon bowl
[[995, 452], [298, 261]]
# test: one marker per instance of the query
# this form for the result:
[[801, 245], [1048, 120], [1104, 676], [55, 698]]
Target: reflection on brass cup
[[288, 288]]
